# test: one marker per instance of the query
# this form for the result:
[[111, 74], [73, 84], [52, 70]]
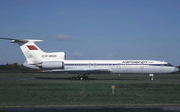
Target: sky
[[93, 29]]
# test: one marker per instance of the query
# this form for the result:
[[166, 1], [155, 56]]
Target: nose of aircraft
[[176, 69]]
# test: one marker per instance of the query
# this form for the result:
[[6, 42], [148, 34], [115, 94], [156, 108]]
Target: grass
[[130, 90]]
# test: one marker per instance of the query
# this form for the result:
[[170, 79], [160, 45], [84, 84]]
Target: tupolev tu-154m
[[55, 62]]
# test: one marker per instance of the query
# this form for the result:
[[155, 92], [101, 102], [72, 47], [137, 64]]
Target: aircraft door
[[118, 65], [89, 65], [95, 65]]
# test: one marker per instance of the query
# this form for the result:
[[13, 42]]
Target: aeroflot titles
[[136, 62]]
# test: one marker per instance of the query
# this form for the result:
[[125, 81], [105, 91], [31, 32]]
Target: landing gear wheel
[[86, 77], [73, 78], [77, 78], [81, 78]]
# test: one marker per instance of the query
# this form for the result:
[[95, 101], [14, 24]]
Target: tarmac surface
[[49, 78], [97, 109]]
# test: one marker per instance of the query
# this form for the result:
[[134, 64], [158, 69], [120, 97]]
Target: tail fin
[[33, 54], [31, 51]]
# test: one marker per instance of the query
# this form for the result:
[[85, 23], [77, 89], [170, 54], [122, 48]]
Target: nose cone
[[176, 69]]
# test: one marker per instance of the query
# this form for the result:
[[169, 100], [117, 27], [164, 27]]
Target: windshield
[[170, 65]]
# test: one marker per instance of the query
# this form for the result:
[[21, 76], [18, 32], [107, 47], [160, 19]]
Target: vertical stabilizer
[[31, 51]]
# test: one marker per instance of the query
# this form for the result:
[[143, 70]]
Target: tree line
[[15, 68]]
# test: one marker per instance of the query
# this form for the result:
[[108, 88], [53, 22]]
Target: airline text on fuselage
[[49, 56], [135, 62]]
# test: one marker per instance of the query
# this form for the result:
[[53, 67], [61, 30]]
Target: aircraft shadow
[[52, 78]]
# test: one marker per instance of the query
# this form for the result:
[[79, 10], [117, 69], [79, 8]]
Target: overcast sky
[[93, 29]]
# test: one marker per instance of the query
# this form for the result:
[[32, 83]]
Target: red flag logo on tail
[[32, 47]]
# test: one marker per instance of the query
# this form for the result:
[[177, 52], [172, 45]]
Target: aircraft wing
[[76, 71]]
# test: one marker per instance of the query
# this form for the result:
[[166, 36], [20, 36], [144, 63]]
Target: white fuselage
[[119, 66]]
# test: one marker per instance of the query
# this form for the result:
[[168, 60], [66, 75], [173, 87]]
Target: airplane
[[56, 62]]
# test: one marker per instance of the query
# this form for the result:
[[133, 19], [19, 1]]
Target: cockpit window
[[170, 64]]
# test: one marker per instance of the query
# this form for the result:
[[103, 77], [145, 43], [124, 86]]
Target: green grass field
[[53, 90]]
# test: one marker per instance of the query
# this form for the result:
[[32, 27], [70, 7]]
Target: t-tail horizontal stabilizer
[[21, 40]]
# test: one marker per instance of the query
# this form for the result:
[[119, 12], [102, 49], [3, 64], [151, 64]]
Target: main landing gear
[[80, 77]]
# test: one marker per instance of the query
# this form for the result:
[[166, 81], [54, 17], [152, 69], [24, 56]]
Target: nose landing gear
[[152, 77]]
